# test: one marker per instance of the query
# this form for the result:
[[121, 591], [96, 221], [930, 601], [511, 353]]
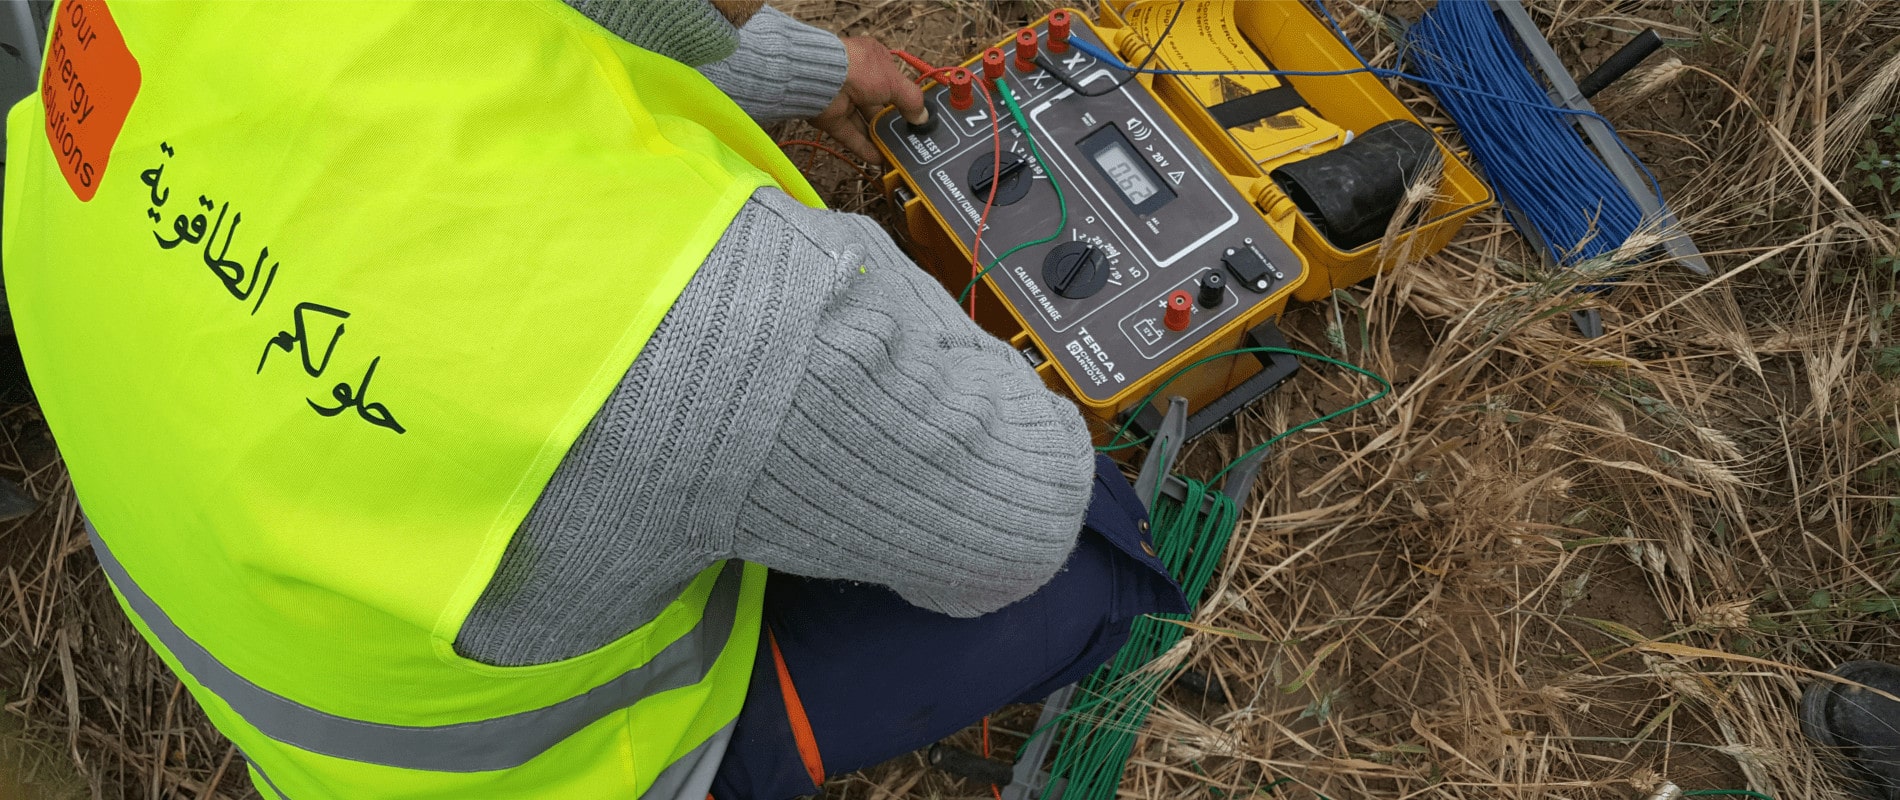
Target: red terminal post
[[1059, 31], [1180, 311], [1026, 50], [961, 98], [993, 65]]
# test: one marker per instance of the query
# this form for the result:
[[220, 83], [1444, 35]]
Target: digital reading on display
[[1124, 167], [1121, 169]]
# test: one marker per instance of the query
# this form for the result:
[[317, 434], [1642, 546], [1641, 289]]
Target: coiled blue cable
[[1531, 155], [1525, 144]]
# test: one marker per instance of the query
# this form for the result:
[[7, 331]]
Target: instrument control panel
[[1158, 252]]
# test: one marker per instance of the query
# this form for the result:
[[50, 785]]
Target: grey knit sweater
[[813, 402]]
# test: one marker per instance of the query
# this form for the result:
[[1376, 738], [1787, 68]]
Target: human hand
[[872, 81]]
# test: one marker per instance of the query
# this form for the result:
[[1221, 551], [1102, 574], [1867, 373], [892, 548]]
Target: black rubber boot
[[1352, 192], [1860, 726]]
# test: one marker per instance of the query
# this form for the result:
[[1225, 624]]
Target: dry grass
[[1545, 567]]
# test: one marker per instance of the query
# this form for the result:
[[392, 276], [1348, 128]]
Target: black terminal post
[[1213, 289]]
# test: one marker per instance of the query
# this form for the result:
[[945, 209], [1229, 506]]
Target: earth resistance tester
[[1175, 238]]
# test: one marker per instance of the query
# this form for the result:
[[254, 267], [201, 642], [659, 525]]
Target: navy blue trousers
[[850, 675]]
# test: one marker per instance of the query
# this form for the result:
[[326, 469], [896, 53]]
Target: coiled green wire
[[1097, 733]]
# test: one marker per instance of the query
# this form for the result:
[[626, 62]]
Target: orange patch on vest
[[87, 86]]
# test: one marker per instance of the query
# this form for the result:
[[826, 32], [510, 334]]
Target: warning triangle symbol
[[1176, 177]]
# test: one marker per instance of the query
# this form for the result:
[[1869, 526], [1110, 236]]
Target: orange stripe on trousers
[[795, 713]]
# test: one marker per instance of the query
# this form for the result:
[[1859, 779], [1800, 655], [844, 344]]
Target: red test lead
[[1026, 50], [1059, 31], [1180, 311]]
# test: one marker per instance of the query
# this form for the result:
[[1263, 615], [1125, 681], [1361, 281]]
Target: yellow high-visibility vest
[[315, 298]]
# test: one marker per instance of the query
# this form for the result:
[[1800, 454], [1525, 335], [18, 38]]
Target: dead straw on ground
[[1545, 567]]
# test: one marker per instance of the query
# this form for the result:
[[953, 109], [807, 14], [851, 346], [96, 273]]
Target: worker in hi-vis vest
[[469, 400]]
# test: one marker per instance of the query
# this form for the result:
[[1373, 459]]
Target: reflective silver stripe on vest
[[268, 783], [691, 777], [490, 744]]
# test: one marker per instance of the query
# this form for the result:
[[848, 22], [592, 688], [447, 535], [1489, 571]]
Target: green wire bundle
[[1097, 733]]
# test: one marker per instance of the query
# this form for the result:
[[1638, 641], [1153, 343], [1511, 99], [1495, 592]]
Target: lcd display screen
[[1124, 167], [1128, 176]]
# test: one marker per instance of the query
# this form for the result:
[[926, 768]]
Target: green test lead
[[1016, 112]]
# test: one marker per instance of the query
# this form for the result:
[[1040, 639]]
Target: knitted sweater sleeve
[[815, 403], [783, 68], [917, 451]]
